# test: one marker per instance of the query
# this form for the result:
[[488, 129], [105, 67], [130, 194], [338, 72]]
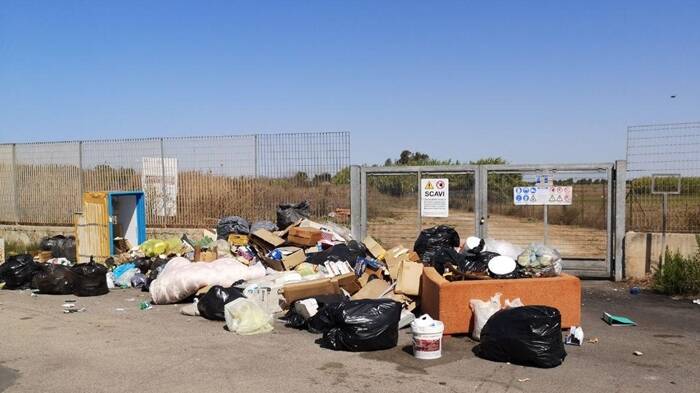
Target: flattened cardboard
[[374, 248], [373, 290], [393, 258], [408, 282], [302, 290]]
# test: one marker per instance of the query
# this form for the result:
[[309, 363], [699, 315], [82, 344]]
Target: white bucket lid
[[426, 324], [501, 265], [473, 242]]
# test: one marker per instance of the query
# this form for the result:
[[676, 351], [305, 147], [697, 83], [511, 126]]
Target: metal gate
[[386, 204]]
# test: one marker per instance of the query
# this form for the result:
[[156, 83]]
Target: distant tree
[[300, 177], [342, 177], [322, 178]]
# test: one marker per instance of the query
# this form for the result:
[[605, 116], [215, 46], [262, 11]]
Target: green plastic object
[[617, 320]]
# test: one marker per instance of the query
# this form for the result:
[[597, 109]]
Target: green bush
[[680, 275]]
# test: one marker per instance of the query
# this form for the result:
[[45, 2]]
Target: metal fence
[[188, 181], [662, 150]]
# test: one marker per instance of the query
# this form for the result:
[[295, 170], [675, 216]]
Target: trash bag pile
[[354, 293]]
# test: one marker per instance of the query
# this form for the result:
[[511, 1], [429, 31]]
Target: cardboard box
[[302, 290], [368, 274], [305, 237], [235, 239], [348, 282], [291, 256], [374, 248], [408, 282], [266, 239]]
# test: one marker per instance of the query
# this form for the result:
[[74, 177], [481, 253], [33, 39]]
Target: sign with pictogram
[[554, 195], [435, 197]]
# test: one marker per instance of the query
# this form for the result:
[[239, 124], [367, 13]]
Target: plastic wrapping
[[482, 311], [501, 247], [288, 214], [211, 305], [54, 279], [245, 317], [156, 247], [431, 240], [266, 225], [17, 271], [359, 325], [527, 335], [232, 224], [90, 279], [181, 278], [538, 260], [139, 280]]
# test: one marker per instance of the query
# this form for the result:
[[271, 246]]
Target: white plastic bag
[[482, 311], [181, 278], [245, 317], [503, 248], [512, 304]]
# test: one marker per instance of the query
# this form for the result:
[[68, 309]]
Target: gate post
[[620, 217], [355, 203], [482, 198]]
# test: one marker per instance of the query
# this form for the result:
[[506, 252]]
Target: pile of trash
[[310, 275], [441, 248]]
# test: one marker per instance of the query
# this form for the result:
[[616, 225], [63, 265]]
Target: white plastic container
[[427, 337]]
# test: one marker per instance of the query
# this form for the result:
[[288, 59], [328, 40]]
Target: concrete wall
[[27, 234], [643, 250]]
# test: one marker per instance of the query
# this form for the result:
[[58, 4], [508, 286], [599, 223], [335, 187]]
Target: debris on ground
[[617, 320], [638, 353], [313, 275]]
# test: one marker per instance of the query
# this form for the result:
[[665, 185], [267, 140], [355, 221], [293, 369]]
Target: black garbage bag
[[448, 256], [17, 271], [527, 335], [431, 240], [288, 214], [157, 266], [143, 264], [340, 252], [211, 305], [295, 320], [60, 246], [477, 262], [359, 325], [90, 279], [53, 279], [232, 224], [266, 225]]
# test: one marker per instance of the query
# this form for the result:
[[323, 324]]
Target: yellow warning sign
[[429, 186]]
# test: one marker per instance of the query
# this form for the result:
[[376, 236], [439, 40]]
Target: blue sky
[[535, 81]]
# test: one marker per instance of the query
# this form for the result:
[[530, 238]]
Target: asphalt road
[[105, 349]]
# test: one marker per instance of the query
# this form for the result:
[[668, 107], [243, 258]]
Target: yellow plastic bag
[[245, 317]]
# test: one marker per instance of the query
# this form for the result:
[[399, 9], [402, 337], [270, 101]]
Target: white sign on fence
[[152, 179], [555, 195], [435, 197]]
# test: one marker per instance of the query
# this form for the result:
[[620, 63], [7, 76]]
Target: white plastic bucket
[[427, 337]]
